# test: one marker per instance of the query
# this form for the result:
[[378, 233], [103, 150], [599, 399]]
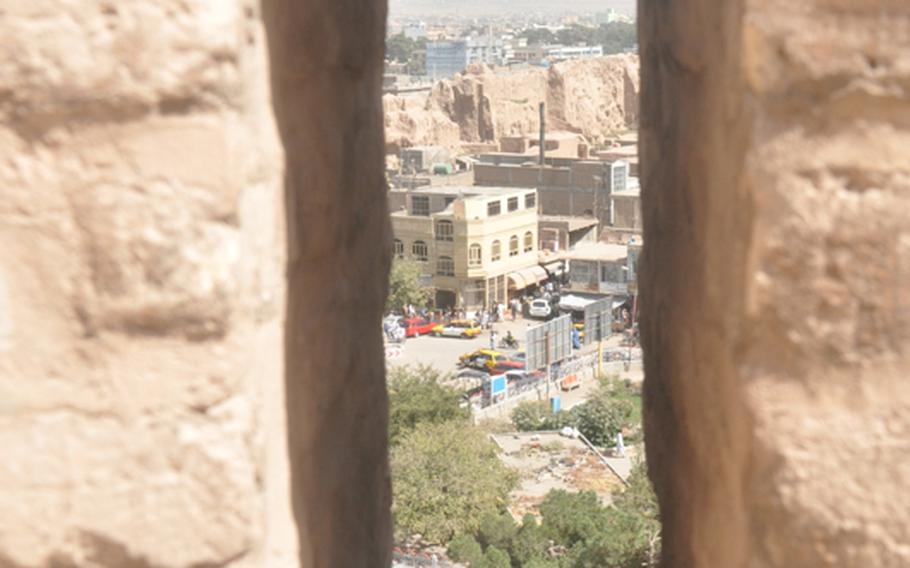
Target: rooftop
[[469, 191], [605, 252], [574, 223]]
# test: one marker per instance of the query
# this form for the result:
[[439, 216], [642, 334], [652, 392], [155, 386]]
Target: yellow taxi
[[458, 328]]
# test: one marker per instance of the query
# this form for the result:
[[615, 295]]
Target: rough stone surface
[[327, 92], [776, 318], [141, 286], [593, 97]]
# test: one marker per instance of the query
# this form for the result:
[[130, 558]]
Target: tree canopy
[[405, 286], [612, 408], [445, 478], [417, 396], [614, 37], [400, 47], [575, 531]]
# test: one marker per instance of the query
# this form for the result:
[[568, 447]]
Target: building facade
[[447, 58], [476, 245], [576, 188]]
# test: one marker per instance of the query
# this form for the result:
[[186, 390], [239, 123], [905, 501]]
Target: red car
[[415, 327]]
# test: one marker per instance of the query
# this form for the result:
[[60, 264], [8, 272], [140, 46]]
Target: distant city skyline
[[469, 8]]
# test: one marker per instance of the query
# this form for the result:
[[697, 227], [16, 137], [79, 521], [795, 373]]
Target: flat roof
[[606, 252], [574, 223], [625, 151], [470, 191]]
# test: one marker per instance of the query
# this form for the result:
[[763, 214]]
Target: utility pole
[[543, 132]]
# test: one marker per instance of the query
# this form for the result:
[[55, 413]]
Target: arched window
[[445, 266], [529, 241], [495, 251], [513, 246], [419, 250], [475, 255], [444, 230], [398, 248]]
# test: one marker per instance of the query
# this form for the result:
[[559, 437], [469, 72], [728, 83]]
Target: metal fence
[[533, 386]]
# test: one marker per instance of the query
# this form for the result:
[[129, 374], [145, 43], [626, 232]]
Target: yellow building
[[478, 245]]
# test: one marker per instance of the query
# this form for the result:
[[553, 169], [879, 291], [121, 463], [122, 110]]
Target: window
[[420, 205], [513, 204], [445, 266], [475, 255], [513, 246], [444, 230], [619, 177], [494, 208], [529, 241], [398, 249], [530, 200], [419, 250], [495, 251]]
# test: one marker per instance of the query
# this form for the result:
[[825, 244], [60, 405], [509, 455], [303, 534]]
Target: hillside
[[594, 97]]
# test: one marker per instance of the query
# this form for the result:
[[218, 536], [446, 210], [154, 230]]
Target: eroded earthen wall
[[141, 287], [775, 279]]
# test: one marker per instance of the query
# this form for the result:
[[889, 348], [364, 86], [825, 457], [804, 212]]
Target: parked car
[[458, 328], [540, 308], [494, 362], [417, 326]]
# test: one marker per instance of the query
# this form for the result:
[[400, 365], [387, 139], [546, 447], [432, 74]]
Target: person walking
[[492, 339]]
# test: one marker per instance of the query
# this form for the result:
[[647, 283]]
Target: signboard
[[555, 336], [497, 384], [598, 320]]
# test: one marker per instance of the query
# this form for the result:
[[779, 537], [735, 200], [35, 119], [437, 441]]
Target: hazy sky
[[486, 7]]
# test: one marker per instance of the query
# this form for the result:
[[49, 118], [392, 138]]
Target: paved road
[[443, 352]]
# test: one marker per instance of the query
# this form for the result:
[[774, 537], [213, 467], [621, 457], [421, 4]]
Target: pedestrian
[[514, 307], [492, 339]]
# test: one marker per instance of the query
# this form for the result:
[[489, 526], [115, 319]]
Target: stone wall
[[775, 278], [141, 288]]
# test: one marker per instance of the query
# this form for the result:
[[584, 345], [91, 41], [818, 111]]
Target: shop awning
[[526, 277]]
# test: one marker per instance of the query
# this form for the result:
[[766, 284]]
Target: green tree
[[532, 416], [465, 548], [401, 48], [612, 408], [445, 477], [495, 558], [497, 530], [616, 37], [623, 535], [417, 396], [570, 518], [405, 286], [530, 544]]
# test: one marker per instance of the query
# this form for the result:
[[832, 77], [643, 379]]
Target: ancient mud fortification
[[592, 97], [142, 283], [775, 151]]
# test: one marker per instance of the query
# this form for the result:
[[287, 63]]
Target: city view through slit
[[454, 283], [514, 367]]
